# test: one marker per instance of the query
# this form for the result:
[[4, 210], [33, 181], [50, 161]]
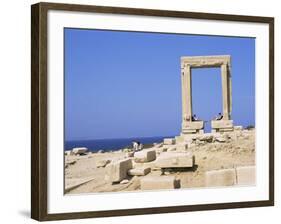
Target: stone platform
[[222, 125], [191, 127]]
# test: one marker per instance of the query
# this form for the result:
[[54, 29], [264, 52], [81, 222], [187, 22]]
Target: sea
[[111, 144]]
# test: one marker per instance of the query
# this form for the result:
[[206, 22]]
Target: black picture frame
[[39, 105]]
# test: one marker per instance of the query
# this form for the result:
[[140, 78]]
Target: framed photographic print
[[141, 111]]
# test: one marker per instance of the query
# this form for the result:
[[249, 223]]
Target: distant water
[[110, 144]]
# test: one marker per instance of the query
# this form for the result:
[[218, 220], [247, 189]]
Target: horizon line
[[66, 140]]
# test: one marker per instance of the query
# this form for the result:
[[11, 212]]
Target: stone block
[[246, 175], [182, 147], [221, 124], [140, 171], [171, 149], [179, 139], [169, 141], [117, 171], [221, 139], [157, 183], [68, 153], [102, 163], [217, 178], [150, 165], [144, 156], [175, 160], [125, 181], [197, 125], [206, 137], [158, 145], [79, 150]]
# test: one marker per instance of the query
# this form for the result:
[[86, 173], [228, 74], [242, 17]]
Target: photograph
[[141, 111], [156, 111]]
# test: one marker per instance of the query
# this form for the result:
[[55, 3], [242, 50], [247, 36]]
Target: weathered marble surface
[[187, 63]]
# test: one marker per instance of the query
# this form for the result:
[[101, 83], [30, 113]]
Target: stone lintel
[[205, 61]]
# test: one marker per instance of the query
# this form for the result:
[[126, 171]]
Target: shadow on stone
[[180, 169]]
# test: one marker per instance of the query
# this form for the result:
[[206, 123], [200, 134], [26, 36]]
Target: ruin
[[189, 126], [193, 159]]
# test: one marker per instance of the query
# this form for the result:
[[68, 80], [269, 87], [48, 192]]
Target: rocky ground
[[86, 173]]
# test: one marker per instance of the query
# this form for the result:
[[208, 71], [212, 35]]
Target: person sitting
[[194, 118], [219, 117], [137, 146]]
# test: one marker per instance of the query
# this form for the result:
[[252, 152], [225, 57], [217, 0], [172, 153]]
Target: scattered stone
[[130, 154], [101, 151], [166, 172], [169, 141], [125, 181], [158, 145], [220, 139], [161, 182], [199, 142], [171, 149], [69, 163], [79, 150], [175, 160], [127, 150], [234, 136], [160, 150], [68, 153], [206, 138], [145, 156], [103, 163], [140, 171], [246, 175], [218, 178], [117, 170]]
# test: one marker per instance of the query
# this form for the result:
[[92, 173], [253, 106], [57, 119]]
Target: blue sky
[[127, 84]]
